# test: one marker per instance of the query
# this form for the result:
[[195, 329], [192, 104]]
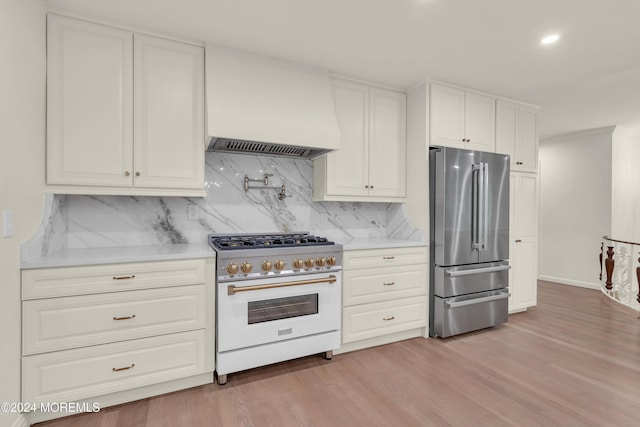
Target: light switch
[[7, 221]]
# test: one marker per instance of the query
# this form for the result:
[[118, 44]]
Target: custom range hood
[[262, 105]]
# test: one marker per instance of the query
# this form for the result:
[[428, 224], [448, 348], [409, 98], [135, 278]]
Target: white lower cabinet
[[384, 296], [118, 332], [70, 375]]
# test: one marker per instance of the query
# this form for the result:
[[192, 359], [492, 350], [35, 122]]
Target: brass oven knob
[[267, 265], [298, 263], [232, 268], [331, 260], [320, 262], [308, 262], [279, 265], [246, 267]]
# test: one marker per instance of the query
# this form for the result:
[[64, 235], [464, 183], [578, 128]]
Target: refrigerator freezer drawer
[[467, 279], [457, 315]]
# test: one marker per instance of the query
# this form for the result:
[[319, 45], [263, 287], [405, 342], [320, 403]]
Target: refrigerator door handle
[[476, 173], [458, 273], [485, 206], [477, 300], [482, 192]]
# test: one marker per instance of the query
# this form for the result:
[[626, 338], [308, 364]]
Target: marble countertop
[[378, 243], [94, 256]]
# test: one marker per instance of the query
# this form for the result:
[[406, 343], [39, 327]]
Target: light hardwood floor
[[574, 360]]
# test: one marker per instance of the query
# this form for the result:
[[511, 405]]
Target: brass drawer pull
[[389, 283], [123, 369], [518, 241], [133, 276], [388, 257], [389, 318], [125, 318]]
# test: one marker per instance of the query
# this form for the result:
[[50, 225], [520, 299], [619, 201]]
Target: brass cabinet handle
[[389, 283], [388, 257], [123, 369], [389, 318], [124, 318], [518, 241], [133, 276], [137, 173], [126, 173], [518, 163]]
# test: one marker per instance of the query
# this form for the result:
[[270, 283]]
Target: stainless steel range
[[278, 298]]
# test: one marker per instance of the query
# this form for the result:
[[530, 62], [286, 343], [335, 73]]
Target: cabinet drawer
[[381, 284], [63, 323], [374, 258], [71, 375], [376, 319], [66, 281]]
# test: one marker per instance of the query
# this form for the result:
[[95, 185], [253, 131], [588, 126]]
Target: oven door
[[260, 311]]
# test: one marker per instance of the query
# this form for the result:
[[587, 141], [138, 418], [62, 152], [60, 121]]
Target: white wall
[[625, 192], [22, 138], [575, 206]]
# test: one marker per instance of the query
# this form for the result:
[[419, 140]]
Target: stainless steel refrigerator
[[469, 212]]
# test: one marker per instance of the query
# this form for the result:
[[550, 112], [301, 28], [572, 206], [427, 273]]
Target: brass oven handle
[[124, 318], [232, 289], [123, 369], [133, 276]]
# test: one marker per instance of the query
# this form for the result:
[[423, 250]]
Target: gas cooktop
[[223, 242]]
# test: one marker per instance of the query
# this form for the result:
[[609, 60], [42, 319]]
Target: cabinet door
[[347, 168], [526, 150], [506, 129], [89, 101], [523, 242], [387, 143], [524, 287], [447, 116], [479, 122], [169, 114]]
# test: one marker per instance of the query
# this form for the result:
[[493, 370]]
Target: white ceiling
[[589, 79]]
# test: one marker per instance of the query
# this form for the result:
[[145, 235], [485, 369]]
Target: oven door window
[[282, 308]]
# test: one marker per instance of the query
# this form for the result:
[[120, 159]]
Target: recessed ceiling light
[[550, 39]]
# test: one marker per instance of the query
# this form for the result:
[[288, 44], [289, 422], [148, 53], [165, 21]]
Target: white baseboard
[[569, 282], [21, 421]]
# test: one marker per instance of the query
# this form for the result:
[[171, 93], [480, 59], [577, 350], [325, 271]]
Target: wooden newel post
[[608, 265], [638, 277], [600, 256]]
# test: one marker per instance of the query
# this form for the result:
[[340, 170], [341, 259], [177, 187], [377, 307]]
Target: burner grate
[[230, 242]]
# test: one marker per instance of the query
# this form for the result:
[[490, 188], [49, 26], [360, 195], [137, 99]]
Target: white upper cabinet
[[461, 119], [370, 165], [387, 143], [517, 134], [347, 170], [89, 104], [96, 142], [169, 118]]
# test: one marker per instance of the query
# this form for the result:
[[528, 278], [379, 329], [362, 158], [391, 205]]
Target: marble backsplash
[[76, 221]]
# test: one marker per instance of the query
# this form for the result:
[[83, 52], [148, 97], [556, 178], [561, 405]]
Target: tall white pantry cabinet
[[125, 111], [438, 114]]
